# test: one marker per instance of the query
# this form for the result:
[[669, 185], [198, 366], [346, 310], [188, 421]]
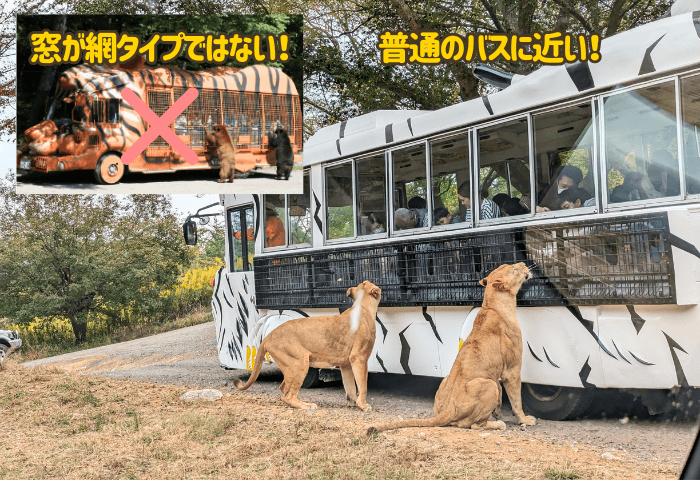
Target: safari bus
[[89, 126], [614, 299]]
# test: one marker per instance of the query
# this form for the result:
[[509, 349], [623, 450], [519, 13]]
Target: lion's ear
[[483, 282], [350, 293], [375, 292], [501, 284]]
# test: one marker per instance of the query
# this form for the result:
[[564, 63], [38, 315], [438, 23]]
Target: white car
[[9, 342]]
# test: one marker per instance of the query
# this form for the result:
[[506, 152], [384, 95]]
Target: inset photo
[[159, 104]]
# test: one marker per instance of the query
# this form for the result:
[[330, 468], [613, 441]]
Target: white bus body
[[615, 300]]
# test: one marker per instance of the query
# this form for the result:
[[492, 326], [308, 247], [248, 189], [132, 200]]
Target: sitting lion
[[493, 350], [344, 340], [220, 138]]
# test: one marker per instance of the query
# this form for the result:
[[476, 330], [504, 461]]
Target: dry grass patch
[[58, 424]]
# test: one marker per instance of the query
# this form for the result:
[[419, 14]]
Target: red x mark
[[159, 126]]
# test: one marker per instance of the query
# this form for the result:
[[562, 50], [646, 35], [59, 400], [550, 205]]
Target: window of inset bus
[[690, 104], [300, 215], [504, 171], [449, 162], [275, 221], [563, 159], [339, 202], [410, 188], [371, 195], [641, 146]]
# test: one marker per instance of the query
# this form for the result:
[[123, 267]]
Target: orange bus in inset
[[89, 125]]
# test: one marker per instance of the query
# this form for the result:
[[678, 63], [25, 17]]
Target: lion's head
[[368, 287], [507, 278]]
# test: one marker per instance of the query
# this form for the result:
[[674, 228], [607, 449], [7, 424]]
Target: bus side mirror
[[189, 230]]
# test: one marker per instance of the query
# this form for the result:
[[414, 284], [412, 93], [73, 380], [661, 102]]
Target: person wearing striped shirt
[[488, 209]]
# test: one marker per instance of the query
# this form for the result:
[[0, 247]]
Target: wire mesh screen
[[603, 261], [159, 101], [297, 122]]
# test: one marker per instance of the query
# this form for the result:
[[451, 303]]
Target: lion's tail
[[256, 369], [483, 391], [439, 420]]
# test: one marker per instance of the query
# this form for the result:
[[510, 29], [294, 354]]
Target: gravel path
[[188, 357]]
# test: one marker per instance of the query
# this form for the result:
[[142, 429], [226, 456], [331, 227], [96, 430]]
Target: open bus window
[[641, 144], [371, 195], [504, 170], [563, 158], [690, 105], [275, 220], [300, 215], [339, 202], [449, 162], [242, 245], [113, 110], [410, 188]]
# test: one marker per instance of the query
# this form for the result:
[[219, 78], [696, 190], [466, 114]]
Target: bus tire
[[312, 378], [3, 351], [551, 402], [109, 169]]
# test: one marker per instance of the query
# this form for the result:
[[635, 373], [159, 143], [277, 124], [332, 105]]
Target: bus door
[[233, 302]]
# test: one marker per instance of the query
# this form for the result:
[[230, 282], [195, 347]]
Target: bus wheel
[[551, 402], [312, 379], [109, 169]]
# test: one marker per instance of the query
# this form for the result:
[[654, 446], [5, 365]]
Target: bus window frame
[[635, 204], [288, 235], [244, 244], [594, 162], [335, 241], [286, 227], [356, 196], [444, 136], [684, 190], [429, 190], [476, 214]]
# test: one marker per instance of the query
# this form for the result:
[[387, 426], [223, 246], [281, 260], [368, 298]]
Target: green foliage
[[340, 222], [74, 256]]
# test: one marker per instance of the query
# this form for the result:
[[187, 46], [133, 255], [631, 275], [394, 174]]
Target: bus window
[[300, 215], [371, 195], [641, 144], [275, 220], [690, 103], [242, 250], [410, 188], [563, 158], [449, 167], [504, 170], [113, 110], [339, 201]]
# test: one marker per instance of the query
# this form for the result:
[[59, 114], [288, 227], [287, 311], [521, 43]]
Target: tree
[[70, 255]]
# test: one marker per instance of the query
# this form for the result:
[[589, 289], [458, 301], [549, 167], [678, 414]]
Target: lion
[[221, 139], [493, 350], [344, 340]]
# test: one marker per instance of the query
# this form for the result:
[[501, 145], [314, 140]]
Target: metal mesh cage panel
[[159, 101], [592, 262]]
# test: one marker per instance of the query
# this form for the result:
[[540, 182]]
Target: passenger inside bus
[[569, 178], [573, 198], [274, 228], [376, 223], [441, 216], [406, 218], [420, 206], [488, 208]]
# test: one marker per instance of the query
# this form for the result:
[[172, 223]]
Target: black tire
[[551, 402], [3, 351], [312, 379]]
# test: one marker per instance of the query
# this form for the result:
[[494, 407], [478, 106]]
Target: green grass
[[35, 352], [562, 473]]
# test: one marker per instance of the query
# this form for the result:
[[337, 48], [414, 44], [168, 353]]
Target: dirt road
[[188, 357]]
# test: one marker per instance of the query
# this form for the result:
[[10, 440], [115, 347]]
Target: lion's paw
[[528, 420], [366, 408], [498, 425]]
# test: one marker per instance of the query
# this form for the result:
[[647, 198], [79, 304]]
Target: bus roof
[[254, 79], [664, 45]]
